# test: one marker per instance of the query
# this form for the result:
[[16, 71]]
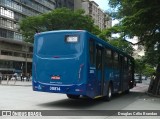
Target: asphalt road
[[23, 98]]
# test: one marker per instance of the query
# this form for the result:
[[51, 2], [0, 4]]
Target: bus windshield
[[58, 45]]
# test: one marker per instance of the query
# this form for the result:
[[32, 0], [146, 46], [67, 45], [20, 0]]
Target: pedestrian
[[15, 76], [21, 76], [27, 77]]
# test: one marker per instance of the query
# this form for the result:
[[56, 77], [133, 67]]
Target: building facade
[[101, 19], [65, 3], [15, 54]]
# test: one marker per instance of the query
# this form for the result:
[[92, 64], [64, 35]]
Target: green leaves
[[58, 19], [122, 45], [140, 18], [142, 68]]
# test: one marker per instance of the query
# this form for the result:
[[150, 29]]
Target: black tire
[[73, 96], [109, 93], [135, 84], [127, 91]]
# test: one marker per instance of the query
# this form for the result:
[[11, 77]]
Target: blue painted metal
[[58, 66], [61, 67]]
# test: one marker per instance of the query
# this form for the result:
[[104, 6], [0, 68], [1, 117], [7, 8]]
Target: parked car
[[137, 78], [144, 77]]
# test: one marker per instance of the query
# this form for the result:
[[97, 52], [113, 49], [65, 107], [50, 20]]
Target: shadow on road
[[71, 103], [85, 103]]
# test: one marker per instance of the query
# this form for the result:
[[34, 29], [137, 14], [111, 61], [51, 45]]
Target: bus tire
[[73, 96], [127, 91], [109, 93]]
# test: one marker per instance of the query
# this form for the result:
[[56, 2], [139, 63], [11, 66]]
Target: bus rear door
[[100, 69], [121, 61]]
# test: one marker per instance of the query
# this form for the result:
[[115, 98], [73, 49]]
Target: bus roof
[[111, 46], [59, 31], [96, 38]]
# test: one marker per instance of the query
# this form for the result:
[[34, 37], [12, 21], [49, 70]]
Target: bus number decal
[[55, 88]]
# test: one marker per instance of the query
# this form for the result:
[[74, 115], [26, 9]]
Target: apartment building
[[101, 19], [15, 54], [65, 3]]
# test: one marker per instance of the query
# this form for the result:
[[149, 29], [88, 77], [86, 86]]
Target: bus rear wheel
[[127, 91], [73, 96], [109, 94]]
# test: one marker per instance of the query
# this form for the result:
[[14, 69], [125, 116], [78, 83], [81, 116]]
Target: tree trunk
[[156, 84]]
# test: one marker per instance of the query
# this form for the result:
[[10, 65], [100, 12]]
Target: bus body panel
[[70, 70], [59, 73], [99, 80]]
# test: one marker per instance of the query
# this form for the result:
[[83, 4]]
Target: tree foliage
[[148, 70], [141, 18], [122, 45], [139, 66], [142, 68], [118, 42], [58, 19]]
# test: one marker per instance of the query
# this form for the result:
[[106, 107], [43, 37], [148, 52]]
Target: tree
[[143, 68], [148, 70], [122, 45], [58, 19], [139, 66], [141, 18]]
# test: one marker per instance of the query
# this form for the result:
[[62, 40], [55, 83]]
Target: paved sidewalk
[[16, 83], [145, 102]]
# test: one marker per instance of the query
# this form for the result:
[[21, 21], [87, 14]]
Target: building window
[[6, 12], [17, 36], [10, 34], [3, 52], [6, 23]]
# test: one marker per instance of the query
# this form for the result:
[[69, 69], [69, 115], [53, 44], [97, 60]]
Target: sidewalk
[[16, 83], [145, 102]]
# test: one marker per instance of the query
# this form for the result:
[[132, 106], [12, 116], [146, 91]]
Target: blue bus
[[77, 63]]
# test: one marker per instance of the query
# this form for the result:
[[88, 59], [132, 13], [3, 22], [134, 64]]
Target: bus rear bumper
[[74, 89]]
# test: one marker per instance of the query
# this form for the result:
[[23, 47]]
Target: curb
[[14, 85]]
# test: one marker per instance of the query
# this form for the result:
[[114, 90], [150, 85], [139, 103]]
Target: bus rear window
[[58, 44]]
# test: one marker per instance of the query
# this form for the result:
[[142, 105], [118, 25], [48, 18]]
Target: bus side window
[[108, 58], [129, 68], [115, 60], [92, 51], [98, 58], [126, 63]]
